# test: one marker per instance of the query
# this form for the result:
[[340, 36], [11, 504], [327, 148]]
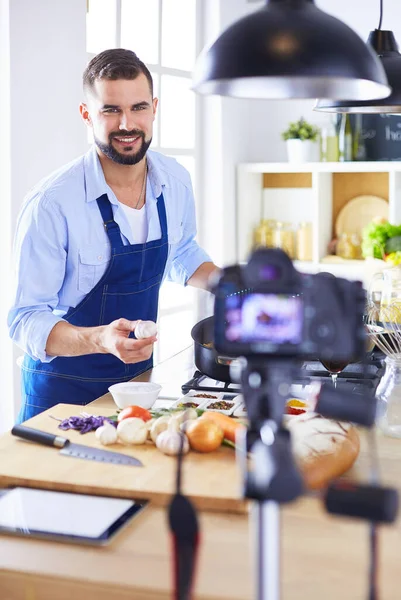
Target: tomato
[[134, 411]]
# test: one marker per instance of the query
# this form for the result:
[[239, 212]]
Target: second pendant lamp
[[385, 46]]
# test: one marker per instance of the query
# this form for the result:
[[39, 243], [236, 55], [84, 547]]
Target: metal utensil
[[74, 450]]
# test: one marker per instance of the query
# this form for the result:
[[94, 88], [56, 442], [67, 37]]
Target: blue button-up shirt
[[62, 249]]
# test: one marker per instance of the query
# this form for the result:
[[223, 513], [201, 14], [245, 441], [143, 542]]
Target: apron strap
[[111, 227], [161, 210]]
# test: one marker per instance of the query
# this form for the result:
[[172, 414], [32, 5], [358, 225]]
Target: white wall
[[45, 57], [6, 349]]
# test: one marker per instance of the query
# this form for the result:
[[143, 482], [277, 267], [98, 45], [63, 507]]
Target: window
[[154, 30]]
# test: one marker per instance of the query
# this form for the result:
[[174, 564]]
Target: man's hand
[[68, 340], [114, 339]]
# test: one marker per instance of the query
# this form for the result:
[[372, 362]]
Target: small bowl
[[138, 393]]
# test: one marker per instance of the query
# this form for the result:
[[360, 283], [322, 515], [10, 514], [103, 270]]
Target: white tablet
[[64, 516]]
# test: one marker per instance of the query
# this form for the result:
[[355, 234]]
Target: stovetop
[[356, 377]]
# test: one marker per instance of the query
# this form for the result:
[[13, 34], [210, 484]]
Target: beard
[[120, 158]]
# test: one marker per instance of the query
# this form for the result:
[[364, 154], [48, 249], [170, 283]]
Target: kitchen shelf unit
[[313, 192]]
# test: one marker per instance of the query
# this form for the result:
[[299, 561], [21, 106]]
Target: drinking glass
[[334, 368]]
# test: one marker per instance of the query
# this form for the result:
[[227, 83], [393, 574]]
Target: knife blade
[[74, 450]]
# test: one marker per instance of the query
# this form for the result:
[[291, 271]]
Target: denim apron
[[130, 289]]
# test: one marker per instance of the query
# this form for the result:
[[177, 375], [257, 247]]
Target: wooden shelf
[[314, 192]]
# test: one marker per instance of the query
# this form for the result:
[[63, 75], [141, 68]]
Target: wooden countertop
[[323, 556]]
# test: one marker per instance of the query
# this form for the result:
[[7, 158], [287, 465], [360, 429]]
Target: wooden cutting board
[[213, 481]]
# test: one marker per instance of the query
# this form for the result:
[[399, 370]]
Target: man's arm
[[201, 278], [68, 340]]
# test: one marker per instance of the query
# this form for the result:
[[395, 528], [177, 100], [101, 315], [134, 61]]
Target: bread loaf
[[324, 449]]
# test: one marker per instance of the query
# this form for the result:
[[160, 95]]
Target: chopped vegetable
[[204, 436], [84, 424], [187, 405], [132, 431], [134, 411], [229, 425]]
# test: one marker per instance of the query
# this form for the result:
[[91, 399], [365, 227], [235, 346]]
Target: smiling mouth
[[127, 141]]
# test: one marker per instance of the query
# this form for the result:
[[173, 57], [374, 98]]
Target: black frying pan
[[207, 360]]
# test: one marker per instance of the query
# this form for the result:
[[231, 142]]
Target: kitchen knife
[[74, 450]]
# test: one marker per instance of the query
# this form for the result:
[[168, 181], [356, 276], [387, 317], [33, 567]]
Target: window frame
[[158, 70]]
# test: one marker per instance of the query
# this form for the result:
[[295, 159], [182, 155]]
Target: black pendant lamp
[[290, 49], [385, 46]]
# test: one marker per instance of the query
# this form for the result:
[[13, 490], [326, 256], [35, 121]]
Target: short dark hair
[[116, 63]]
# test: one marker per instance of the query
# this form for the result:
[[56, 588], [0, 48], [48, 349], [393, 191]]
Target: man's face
[[121, 115]]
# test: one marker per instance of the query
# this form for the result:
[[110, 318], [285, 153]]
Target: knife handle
[[34, 435]]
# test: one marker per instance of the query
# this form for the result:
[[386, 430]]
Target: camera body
[[266, 307]]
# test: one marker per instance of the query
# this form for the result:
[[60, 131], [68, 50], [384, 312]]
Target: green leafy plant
[[301, 130], [375, 237]]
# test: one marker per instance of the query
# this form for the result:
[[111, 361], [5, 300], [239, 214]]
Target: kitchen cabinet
[[312, 192]]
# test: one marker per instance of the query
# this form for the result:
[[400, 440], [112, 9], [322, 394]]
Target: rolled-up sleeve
[[187, 254], [40, 259]]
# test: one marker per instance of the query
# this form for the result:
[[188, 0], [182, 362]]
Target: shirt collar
[[96, 185]]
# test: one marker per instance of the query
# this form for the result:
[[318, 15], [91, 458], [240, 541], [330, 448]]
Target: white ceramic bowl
[[138, 393]]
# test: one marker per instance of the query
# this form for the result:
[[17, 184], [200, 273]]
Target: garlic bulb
[[106, 434], [159, 425], [145, 329], [169, 441], [185, 415], [149, 427], [132, 431]]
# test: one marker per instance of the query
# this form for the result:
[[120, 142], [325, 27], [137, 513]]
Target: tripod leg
[[267, 535]]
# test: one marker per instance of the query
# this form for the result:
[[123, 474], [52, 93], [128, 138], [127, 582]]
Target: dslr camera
[[266, 307]]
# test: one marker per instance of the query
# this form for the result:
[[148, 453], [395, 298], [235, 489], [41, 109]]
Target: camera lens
[[269, 273]]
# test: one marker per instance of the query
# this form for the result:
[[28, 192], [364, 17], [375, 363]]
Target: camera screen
[[275, 318]]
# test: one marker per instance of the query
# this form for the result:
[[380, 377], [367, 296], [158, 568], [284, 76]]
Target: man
[[94, 242]]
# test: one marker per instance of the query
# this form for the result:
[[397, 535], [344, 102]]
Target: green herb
[[229, 444], [301, 130], [162, 412], [375, 236]]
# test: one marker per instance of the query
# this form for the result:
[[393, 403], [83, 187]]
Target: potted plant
[[302, 141]]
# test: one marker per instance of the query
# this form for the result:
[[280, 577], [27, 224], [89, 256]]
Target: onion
[[204, 436]]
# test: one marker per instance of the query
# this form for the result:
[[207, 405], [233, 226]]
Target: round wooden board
[[359, 212]]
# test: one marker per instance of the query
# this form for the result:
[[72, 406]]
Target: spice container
[[304, 241]]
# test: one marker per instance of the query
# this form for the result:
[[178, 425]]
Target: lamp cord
[[381, 15]]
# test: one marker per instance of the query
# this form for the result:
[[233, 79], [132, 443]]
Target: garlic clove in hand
[[132, 431], [106, 434], [145, 329]]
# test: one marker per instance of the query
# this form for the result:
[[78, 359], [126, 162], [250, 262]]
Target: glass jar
[[304, 242], [389, 398], [348, 246], [284, 238], [263, 233]]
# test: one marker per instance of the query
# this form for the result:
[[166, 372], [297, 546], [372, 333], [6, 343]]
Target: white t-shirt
[[138, 222]]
